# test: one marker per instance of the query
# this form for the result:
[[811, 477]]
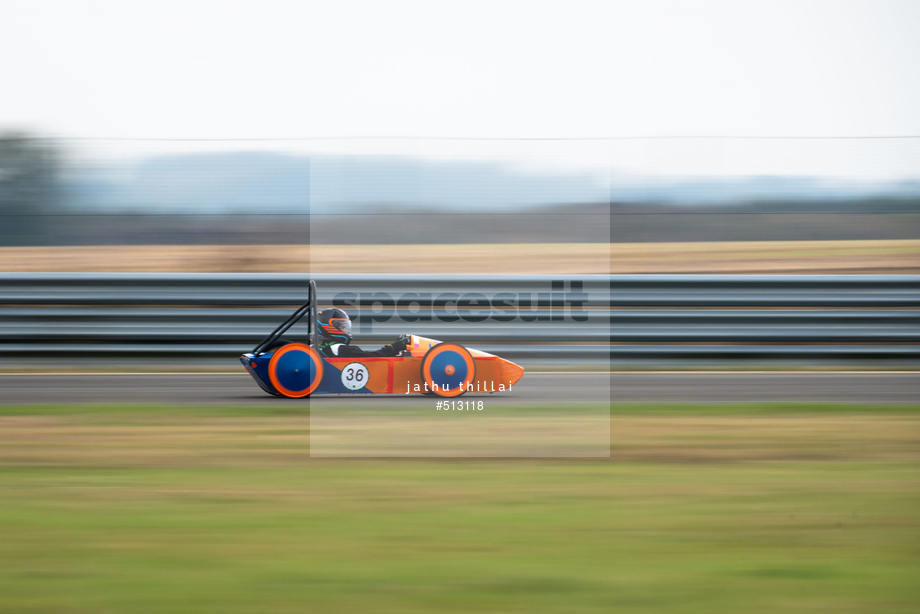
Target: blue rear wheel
[[295, 370]]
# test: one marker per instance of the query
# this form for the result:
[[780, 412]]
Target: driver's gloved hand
[[402, 343]]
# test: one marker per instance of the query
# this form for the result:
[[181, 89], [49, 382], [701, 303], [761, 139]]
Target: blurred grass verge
[[190, 509], [868, 256]]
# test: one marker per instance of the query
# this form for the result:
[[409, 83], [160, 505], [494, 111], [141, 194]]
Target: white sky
[[514, 69]]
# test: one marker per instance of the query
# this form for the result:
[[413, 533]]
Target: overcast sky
[[515, 69]]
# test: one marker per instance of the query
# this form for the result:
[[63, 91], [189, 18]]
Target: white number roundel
[[354, 376]]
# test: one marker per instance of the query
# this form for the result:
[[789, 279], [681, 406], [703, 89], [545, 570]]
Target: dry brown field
[[752, 257]]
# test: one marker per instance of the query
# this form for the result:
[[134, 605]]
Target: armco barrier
[[565, 319]]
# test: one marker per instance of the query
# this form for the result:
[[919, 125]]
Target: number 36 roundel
[[354, 376]]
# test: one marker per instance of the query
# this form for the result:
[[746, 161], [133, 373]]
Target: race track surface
[[536, 388]]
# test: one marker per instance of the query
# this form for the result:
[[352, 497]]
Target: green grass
[[202, 509]]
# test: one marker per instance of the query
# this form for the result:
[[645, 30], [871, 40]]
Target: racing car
[[426, 366]]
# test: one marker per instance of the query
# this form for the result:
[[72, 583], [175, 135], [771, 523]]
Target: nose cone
[[511, 373]]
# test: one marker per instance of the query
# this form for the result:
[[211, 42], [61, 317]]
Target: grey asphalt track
[[865, 388]]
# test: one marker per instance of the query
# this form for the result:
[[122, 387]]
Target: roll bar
[[307, 308]]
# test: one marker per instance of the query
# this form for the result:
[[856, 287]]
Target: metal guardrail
[[588, 318]]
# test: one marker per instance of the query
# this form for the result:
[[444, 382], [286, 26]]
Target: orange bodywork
[[403, 374]]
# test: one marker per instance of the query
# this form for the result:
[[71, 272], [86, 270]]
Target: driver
[[335, 327]]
